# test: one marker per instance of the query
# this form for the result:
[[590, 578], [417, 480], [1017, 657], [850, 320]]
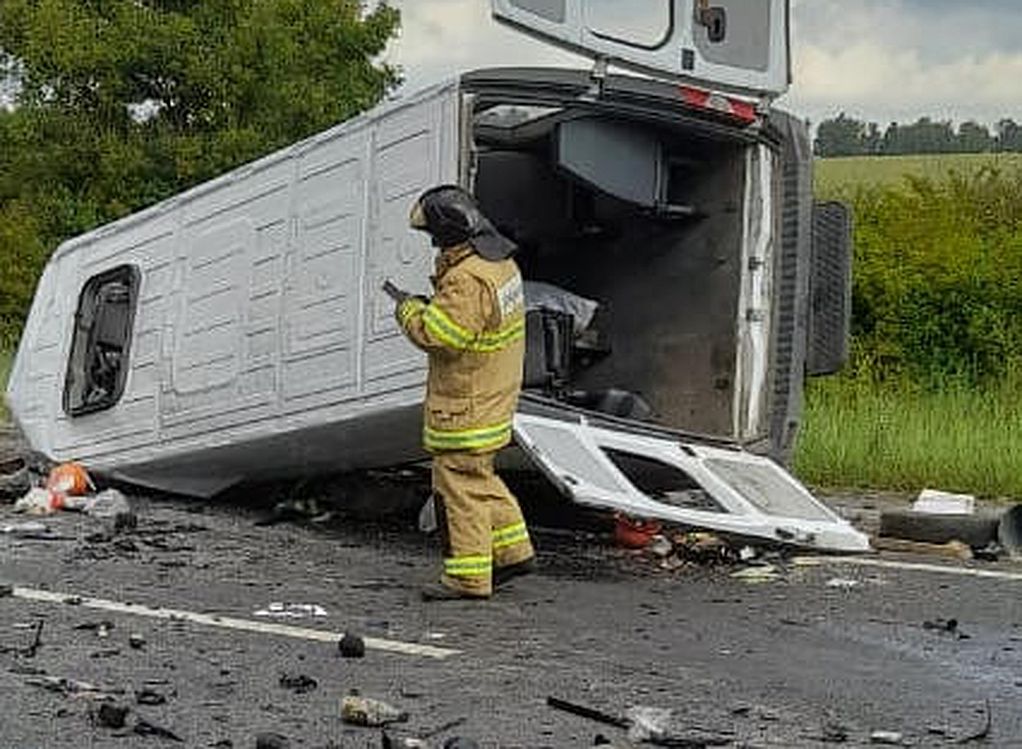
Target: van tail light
[[743, 111]]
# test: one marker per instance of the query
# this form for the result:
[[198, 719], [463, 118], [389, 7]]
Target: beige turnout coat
[[473, 330]]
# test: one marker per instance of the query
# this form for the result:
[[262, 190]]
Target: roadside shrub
[[938, 278]]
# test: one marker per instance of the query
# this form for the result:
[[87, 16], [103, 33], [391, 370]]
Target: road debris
[[948, 626], [834, 733], [975, 531], [149, 696], [365, 711], [15, 478], [298, 683], [765, 573], [37, 531], [888, 738], [933, 502], [38, 501], [403, 742], [647, 722], [144, 728], [653, 726], [660, 546], [587, 712], [136, 641], [30, 650], [460, 742], [72, 688], [843, 583], [351, 646], [70, 479], [951, 550], [272, 741], [111, 716], [634, 533], [279, 610]]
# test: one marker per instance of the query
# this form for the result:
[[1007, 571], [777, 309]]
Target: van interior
[[645, 221]]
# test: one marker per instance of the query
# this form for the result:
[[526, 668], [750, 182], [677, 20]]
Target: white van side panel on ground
[[259, 308]]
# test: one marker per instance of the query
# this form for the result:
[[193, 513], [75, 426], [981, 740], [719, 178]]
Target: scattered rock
[[112, 716], [459, 742], [6, 590], [150, 697], [298, 683], [834, 733], [352, 646], [272, 741], [145, 728]]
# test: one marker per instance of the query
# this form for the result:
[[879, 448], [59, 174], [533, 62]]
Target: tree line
[[111, 106], [847, 136]]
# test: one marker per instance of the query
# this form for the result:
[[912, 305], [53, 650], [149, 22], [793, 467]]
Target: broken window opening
[[663, 482], [98, 365]]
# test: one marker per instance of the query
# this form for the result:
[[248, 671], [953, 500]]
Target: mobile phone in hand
[[394, 292]]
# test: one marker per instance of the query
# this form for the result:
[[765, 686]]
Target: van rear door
[[741, 46], [653, 476]]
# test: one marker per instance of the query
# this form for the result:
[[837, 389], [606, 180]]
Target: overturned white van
[[239, 331]]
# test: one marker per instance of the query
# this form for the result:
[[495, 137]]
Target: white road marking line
[[911, 566], [226, 622]]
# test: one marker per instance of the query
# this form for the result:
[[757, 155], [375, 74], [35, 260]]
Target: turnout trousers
[[482, 522]]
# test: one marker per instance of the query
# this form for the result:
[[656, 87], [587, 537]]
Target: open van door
[[741, 46], [658, 476]]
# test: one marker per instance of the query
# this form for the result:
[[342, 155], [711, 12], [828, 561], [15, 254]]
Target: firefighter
[[473, 330]]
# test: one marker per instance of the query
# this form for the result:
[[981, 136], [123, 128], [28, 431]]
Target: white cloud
[[440, 38], [897, 84], [878, 59]]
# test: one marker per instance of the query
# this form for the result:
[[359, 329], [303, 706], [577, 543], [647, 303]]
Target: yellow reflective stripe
[[408, 308], [480, 566], [510, 536], [439, 324], [448, 332], [467, 439], [491, 342]]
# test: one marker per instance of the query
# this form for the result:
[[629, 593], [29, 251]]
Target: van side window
[[646, 24], [98, 365]]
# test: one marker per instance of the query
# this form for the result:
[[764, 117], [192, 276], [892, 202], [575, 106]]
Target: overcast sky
[[878, 59]]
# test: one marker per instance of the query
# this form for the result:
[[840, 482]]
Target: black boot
[[504, 575], [440, 592]]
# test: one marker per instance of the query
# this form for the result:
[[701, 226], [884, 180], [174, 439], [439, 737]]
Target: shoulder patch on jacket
[[511, 296]]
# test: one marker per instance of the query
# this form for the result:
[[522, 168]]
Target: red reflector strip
[[740, 110]]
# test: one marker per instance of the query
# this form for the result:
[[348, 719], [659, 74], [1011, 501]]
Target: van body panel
[[263, 345], [731, 45]]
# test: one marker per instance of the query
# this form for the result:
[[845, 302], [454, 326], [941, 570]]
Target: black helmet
[[451, 216]]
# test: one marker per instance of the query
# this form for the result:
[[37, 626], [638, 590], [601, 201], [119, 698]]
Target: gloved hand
[[408, 307]]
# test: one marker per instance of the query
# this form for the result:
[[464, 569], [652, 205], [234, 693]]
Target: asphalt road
[[821, 650]]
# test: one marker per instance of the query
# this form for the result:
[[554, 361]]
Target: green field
[[836, 177], [932, 397], [958, 438]]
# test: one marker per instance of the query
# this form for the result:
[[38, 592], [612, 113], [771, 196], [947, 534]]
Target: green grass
[[6, 359], [897, 436], [837, 177]]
